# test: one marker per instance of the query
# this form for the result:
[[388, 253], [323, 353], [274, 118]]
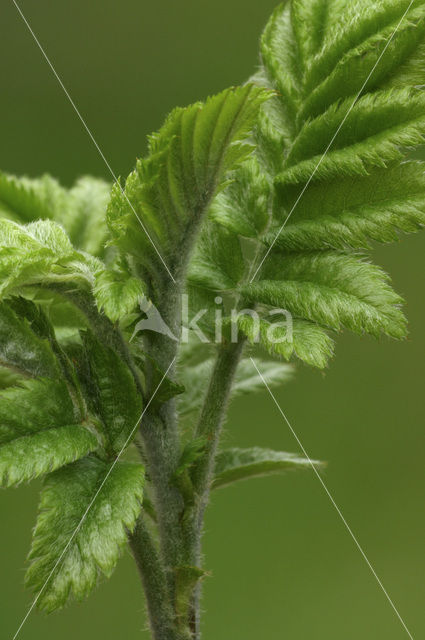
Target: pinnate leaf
[[30, 456], [240, 464], [195, 380], [26, 200], [117, 293], [81, 209], [330, 171], [40, 253], [33, 406], [112, 392], [157, 215], [306, 340], [79, 532], [21, 349]]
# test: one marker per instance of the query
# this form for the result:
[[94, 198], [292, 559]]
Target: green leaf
[[41, 253], [240, 464], [192, 451], [165, 199], [112, 392], [218, 262], [81, 209], [77, 538], [310, 20], [33, 406], [165, 388], [30, 456], [347, 26], [8, 378], [280, 70], [306, 340], [332, 289], [374, 131], [65, 318], [117, 293], [84, 217], [22, 350], [332, 77], [186, 578], [40, 324], [27, 310], [330, 171], [26, 199], [351, 211], [247, 380], [39, 430], [195, 379], [243, 207]]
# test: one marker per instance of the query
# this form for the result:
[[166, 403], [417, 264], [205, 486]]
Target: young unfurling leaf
[[156, 218], [117, 293]]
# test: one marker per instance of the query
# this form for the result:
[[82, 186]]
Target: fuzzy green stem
[[162, 458], [213, 412], [161, 440], [179, 526], [209, 427], [154, 582]]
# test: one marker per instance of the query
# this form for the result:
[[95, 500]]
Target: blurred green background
[[282, 563]]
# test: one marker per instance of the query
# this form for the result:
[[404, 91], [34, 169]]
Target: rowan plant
[[131, 313]]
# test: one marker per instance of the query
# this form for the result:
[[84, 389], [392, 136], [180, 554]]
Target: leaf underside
[[241, 464]]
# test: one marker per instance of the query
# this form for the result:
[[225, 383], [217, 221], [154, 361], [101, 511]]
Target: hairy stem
[[209, 427], [162, 458], [180, 525], [213, 412], [161, 440], [154, 582]]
